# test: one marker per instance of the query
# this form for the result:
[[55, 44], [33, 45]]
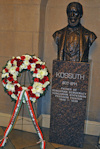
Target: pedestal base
[[68, 102]]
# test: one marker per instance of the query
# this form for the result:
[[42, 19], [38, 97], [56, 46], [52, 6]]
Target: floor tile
[[69, 147], [18, 139], [8, 145], [22, 139], [57, 145], [48, 146], [89, 146], [32, 147], [90, 139], [1, 131]]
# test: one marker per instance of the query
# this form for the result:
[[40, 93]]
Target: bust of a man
[[74, 40]]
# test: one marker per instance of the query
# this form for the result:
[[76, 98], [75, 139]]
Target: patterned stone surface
[[68, 102]]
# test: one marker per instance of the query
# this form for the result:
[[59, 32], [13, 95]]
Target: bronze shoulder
[[57, 35], [91, 36]]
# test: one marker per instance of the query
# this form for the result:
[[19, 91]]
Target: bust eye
[[73, 12], [76, 13]]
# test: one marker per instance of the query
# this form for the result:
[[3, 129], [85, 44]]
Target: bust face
[[73, 16]]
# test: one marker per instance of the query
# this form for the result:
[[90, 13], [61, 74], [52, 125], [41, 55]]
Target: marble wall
[[20, 31]]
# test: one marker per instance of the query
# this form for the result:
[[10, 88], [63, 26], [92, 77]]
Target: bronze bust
[[74, 40]]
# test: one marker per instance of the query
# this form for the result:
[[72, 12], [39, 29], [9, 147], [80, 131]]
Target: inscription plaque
[[68, 102]]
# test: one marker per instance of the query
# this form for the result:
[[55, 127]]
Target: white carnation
[[33, 66], [18, 57], [26, 62], [23, 66], [15, 63], [41, 73], [18, 84], [27, 57], [33, 99], [12, 70], [15, 76], [38, 75], [34, 75], [3, 84], [33, 90], [14, 96], [39, 62], [8, 82], [5, 75], [37, 94], [37, 88], [10, 87], [36, 58], [24, 88], [9, 65], [46, 84], [13, 57], [3, 71]]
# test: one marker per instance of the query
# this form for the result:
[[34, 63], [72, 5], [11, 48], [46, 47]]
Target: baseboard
[[27, 123], [91, 127]]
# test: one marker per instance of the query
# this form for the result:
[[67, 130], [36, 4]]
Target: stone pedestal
[[68, 102]]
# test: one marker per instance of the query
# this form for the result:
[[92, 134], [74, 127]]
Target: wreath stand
[[23, 96]]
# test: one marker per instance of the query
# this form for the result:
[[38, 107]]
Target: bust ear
[[81, 15], [81, 12]]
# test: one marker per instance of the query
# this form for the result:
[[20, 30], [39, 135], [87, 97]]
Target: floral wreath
[[17, 65]]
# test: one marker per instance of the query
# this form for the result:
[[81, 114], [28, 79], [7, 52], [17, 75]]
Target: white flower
[[15, 76], [33, 99], [33, 65], [13, 57], [37, 87], [3, 71], [8, 82], [3, 84], [38, 75], [15, 63], [41, 73], [5, 75], [12, 70], [18, 57], [37, 94], [8, 65], [14, 96], [27, 57], [34, 75], [26, 62], [24, 88], [10, 87], [36, 58], [23, 66], [39, 62], [18, 84], [46, 84], [33, 90]]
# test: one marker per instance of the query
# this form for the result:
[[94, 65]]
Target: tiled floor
[[25, 140]]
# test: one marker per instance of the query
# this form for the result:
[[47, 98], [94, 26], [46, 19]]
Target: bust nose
[[72, 14]]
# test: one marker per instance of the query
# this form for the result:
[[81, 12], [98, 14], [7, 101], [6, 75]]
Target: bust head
[[74, 12]]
